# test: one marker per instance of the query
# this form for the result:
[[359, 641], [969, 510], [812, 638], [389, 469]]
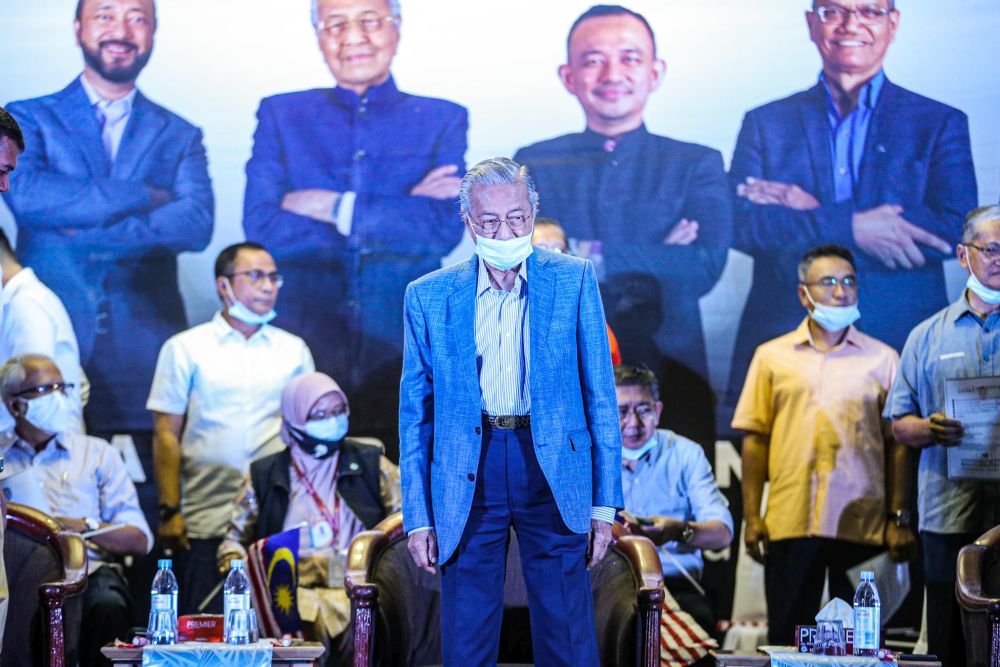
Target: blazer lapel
[[816, 129], [541, 298], [143, 129], [462, 307], [80, 119], [876, 155]]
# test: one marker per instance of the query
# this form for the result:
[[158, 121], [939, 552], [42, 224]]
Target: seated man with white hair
[[83, 484]]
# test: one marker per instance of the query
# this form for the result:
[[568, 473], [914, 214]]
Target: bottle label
[[162, 602], [237, 601], [866, 627]]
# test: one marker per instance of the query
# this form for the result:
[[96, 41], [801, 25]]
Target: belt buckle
[[505, 422]]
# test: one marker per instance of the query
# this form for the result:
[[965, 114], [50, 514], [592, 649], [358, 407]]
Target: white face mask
[[833, 318], [242, 312], [504, 255], [49, 413], [987, 294], [331, 428], [636, 454]]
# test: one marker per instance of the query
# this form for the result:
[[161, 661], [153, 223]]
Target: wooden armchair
[[46, 575], [978, 589], [396, 606]]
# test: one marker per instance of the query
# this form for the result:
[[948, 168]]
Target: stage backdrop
[[678, 311]]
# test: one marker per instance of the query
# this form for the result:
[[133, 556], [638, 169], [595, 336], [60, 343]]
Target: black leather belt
[[507, 422]]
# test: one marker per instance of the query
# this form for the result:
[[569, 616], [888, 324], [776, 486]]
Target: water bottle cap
[[867, 576], [236, 564], [164, 564]]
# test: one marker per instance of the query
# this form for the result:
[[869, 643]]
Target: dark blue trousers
[[511, 490]]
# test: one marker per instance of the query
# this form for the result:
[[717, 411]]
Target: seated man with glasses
[[355, 190], [216, 407], [83, 484], [811, 412], [961, 340], [670, 493], [855, 160]]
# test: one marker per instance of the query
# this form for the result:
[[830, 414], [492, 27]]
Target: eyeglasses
[[838, 14], [336, 26], [642, 411], [42, 390], [990, 252], [256, 276], [829, 283], [492, 225], [341, 409]]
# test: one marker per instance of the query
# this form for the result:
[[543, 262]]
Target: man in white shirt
[[35, 320], [11, 145], [215, 402], [82, 483]]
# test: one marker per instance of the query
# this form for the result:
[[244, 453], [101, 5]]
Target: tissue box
[[200, 628], [805, 637]]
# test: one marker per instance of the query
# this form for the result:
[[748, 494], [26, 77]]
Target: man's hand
[[158, 197], [684, 232], [900, 541], [789, 195], [944, 431], [598, 541], [173, 533], [755, 538], [439, 183], [663, 529], [314, 203], [883, 233], [423, 546]]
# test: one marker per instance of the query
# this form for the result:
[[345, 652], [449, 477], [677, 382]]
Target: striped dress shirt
[[502, 344]]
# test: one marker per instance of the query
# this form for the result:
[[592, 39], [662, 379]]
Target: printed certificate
[[976, 403]]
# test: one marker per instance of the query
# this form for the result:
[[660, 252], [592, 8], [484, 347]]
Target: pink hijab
[[299, 396]]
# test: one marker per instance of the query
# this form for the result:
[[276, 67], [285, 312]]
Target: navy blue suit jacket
[[916, 155], [344, 294], [87, 228]]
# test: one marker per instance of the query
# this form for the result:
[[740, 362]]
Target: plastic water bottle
[[240, 621], [162, 627], [867, 616]]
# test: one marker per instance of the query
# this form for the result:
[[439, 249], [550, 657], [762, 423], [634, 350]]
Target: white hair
[[496, 171], [976, 216], [14, 372], [393, 9]]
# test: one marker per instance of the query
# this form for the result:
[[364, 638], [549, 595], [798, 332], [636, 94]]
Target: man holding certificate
[[950, 367]]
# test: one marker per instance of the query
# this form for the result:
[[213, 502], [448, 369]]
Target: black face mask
[[314, 447]]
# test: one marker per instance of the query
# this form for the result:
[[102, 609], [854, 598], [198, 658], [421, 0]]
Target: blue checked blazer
[[574, 413]]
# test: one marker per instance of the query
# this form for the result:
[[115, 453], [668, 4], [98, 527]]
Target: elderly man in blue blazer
[[508, 418], [110, 189], [858, 161]]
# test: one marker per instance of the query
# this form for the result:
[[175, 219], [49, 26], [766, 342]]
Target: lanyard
[[331, 518]]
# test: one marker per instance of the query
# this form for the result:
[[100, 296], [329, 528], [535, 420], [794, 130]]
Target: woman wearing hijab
[[332, 486]]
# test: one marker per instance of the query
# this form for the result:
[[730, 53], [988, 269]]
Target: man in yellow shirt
[[811, 412]]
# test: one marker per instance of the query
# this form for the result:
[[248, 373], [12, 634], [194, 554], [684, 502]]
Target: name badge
[[320, 534]]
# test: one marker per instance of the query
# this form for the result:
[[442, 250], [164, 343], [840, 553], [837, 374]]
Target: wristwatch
[[688, 533], [167, 511], [92, 523], [900, 517]]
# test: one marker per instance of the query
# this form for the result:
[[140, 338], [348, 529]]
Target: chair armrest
[[642, 556], [73, 550], [367, 545], [969, 582]]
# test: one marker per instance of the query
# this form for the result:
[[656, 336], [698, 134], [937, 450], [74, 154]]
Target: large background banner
[[677, 308]]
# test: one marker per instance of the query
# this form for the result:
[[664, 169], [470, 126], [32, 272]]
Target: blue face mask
[[504, 255], [331, 429], [833, 318], [636, 454], [240, 311], [987, 294]]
